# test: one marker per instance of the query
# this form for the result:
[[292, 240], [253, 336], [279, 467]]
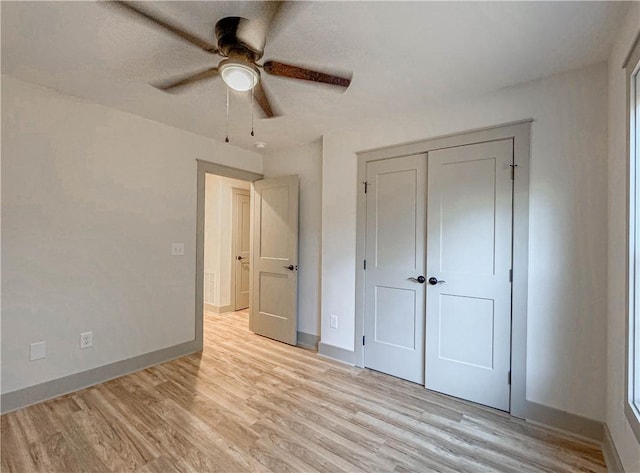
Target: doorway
[[226, 244], [271, 242], [207, 169], [441, 296]]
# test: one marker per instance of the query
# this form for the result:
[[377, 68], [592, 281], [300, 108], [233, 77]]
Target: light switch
[[177, 249], [37, 351]]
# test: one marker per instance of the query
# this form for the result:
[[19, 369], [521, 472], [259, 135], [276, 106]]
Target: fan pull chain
[[252, 110], [226, 140]]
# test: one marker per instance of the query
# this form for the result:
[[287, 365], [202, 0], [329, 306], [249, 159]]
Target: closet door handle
[[420, 279]]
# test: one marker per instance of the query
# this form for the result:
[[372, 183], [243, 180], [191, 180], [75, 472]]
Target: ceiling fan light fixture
[[239, 75]]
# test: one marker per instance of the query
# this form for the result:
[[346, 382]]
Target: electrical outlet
[[333, 321], [86, 339], [37, 351], [177, 249]]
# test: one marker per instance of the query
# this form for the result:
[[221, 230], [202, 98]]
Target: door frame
[[520, 133], [235, 191], [204, 168]]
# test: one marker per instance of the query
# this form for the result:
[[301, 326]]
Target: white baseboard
[[218, 309]]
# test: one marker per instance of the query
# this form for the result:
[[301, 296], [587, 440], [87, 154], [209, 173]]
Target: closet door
[[468, 272], [394, 276]]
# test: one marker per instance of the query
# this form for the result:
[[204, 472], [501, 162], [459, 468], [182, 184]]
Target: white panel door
[[274, 287], [241, 246], [469, 254], [395, 239]]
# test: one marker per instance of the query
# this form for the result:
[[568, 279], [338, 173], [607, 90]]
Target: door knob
[[420, 279], [433, 281], [290, 267], [240, 258]]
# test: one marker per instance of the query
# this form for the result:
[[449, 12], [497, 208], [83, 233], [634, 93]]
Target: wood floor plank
[[117, 442], [247, 403], [16, 454]]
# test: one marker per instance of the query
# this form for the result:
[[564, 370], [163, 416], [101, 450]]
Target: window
[[633, 321]]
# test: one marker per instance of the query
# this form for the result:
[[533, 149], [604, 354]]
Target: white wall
[[566, 355], [218, 237], [339, 176], [211, 240], [306, 162], [92, 199], [625, 441]]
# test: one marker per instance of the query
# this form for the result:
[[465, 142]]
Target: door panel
[[469, 250], [242, 248], [394, 304], [274, 280], [466, 332], [395, 215], [467, 193], [274, 243], [395, 317]]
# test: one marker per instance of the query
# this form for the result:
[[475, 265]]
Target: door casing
[[520, 133]]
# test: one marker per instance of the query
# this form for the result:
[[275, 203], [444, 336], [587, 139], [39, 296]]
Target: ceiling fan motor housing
[[235, 39]]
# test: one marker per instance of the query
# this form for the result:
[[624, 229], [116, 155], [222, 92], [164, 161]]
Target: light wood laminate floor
[[251, 404]]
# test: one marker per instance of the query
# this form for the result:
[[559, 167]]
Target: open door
[[274, 280]]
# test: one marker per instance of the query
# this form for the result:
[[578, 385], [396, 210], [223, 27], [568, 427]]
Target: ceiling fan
[[241, 43]]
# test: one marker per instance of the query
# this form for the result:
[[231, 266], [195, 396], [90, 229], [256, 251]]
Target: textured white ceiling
[[404, 56]]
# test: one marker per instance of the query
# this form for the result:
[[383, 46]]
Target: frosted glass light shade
[[239, 76]]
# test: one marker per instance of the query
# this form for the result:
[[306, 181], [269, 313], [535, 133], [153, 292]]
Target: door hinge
[[365, 265], [511, 275], [513, 171], [363, 340], [509, 377], [366, 185]]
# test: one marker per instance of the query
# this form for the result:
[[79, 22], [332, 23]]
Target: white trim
[[443, 140], [632, 385], [218, 309]]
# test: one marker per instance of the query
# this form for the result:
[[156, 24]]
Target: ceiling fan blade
[[263, 100], [281, 69], [176, 30], [190, 80], [273, 16]]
